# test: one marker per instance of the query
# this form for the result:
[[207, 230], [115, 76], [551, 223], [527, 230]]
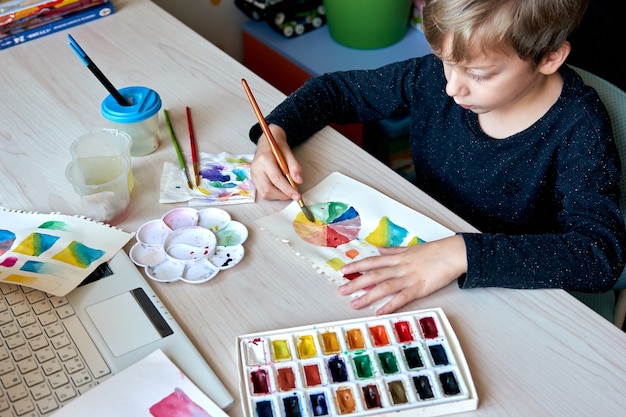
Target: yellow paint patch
[[335, 263], [20, 279]]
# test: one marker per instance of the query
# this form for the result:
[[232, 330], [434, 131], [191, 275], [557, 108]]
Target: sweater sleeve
[[342, 97]]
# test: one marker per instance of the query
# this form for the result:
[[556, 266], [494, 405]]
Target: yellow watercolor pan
[[401, 363]]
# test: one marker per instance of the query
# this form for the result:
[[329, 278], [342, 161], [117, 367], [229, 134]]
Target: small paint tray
[[406, 363], [189, 245]]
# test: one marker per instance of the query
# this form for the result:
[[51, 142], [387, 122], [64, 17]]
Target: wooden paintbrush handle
[[280, 159]]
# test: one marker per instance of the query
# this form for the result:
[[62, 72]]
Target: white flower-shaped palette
[[189, 245]]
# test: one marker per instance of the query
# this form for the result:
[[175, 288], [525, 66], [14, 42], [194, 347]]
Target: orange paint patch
[[352, 253]]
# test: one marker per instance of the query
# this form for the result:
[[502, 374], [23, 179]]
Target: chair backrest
[[614, 100]]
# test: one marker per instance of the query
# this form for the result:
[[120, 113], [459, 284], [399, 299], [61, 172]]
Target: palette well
[[406, 363]]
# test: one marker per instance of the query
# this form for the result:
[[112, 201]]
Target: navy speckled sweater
[[545, 198]]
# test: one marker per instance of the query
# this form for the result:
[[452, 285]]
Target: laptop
[[53, 349]]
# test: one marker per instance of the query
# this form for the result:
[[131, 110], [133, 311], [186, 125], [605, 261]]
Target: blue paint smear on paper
[[84, 254], [397, 234], [214, 173], [6, 235], [240, 174], [40, 267], [6, 240]]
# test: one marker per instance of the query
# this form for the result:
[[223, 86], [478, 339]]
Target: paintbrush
[[121, 100], [194, 151], [179, 154], [280, 159]]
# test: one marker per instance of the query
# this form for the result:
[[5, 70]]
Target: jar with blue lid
[[140, 119]]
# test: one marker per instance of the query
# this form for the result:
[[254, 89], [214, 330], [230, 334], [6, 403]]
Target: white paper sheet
[[376, 221], [224, 180], [152, 387]]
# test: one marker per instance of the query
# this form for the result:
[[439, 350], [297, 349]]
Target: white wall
[[219, 21]]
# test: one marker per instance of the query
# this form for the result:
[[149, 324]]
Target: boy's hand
[[270, 182], [408, 272]]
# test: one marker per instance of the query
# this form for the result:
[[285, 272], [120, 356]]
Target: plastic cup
[[140, 120], [102, 183], [102, 144]]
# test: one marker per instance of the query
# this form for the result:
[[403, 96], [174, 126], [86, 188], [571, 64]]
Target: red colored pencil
[[194, 152]]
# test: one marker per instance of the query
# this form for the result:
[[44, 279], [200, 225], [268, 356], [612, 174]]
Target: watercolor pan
[[406, 363]]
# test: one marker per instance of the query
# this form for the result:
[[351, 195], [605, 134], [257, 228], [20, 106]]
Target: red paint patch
[[9, 262], [355, 275], [177, 404]]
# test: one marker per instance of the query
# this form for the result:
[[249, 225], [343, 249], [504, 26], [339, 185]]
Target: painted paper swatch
[[224, 179], [53, 252], [36, 243], [352, 222]]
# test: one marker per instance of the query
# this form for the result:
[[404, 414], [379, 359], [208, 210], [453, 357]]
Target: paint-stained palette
[[189, 245], [401, 363]]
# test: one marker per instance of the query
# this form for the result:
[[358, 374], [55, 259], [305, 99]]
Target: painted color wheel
[[335, 223]]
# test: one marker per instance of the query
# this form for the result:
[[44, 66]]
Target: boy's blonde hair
[[531, 28]]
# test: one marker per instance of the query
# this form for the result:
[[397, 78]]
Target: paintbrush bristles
[[280, 159]]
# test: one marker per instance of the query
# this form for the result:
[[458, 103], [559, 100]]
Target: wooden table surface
[[531, 352]]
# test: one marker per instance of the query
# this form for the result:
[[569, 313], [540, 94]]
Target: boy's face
[[489, 81]]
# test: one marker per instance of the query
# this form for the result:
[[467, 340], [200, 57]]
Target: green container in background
[[367, 24]]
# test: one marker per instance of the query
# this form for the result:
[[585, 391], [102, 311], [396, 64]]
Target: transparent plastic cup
[[102, 183], [140, 120], [104, 143]]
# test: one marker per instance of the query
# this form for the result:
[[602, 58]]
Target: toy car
[[287, 17]]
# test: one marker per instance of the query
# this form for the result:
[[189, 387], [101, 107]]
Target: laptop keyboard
[[46, 355]]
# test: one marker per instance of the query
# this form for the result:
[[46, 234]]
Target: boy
[[501, 133]]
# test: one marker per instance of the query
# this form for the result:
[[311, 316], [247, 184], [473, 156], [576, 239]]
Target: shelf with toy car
[[288, 17]]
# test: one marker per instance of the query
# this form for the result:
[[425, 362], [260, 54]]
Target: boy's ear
[[553, 60]]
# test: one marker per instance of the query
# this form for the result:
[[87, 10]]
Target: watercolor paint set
[[406, 363]]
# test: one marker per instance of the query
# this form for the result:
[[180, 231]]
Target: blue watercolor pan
[[401, 363]]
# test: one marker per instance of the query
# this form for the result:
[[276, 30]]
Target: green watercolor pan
[[406, 363]]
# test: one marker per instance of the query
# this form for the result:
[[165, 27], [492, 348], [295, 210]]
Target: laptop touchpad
[[122, 323]]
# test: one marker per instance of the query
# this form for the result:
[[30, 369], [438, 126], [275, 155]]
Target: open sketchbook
[[54, 252], [352, 221], [152, 387]]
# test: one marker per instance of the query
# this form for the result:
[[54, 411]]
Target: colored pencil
[[194, 151], [280, 159], [96, 71], [179, 154]]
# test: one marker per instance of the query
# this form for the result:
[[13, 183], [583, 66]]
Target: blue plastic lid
[[145, 103]]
